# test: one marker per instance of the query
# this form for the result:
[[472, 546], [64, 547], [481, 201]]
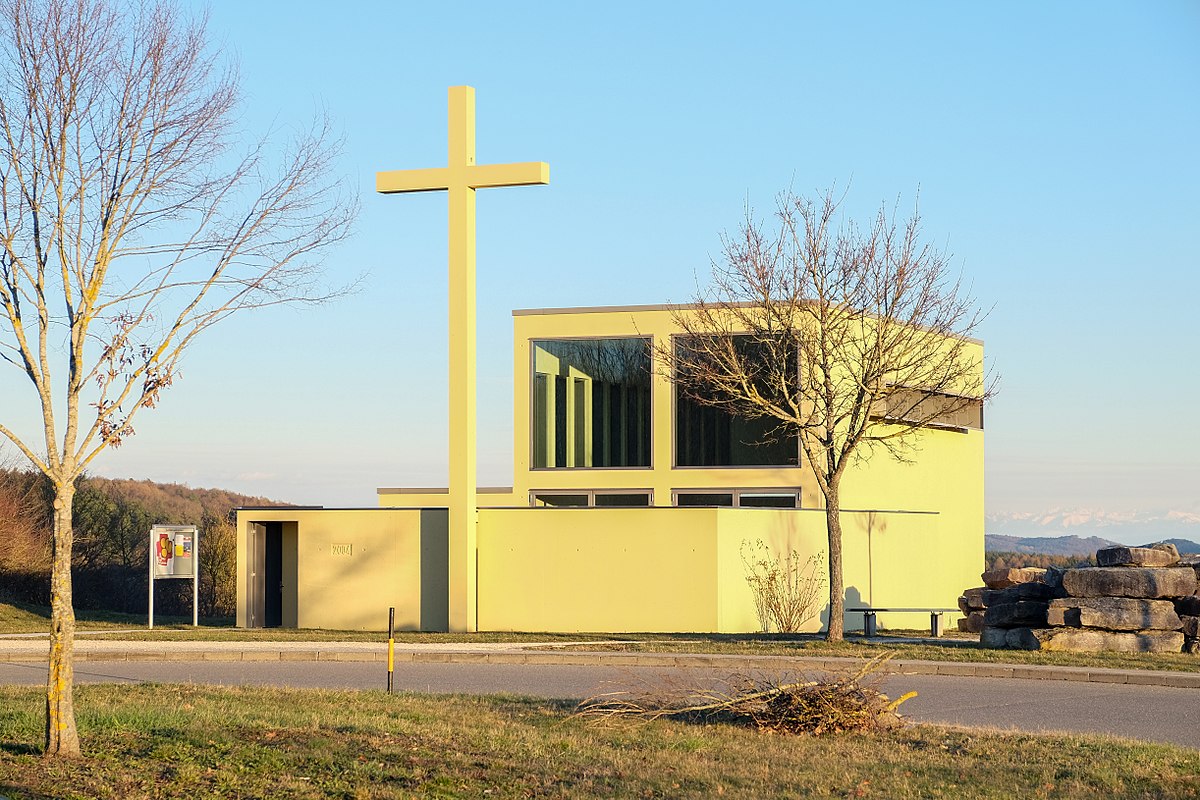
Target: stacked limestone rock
[[1139, 599], [974, 602]]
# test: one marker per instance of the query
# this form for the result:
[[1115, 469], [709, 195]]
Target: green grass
[[166, 741], [18, 617]]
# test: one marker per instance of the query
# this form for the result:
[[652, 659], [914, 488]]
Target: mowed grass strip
[[169, 741]]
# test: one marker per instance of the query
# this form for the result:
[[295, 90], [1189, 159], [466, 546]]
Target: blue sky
[[1053, 147]]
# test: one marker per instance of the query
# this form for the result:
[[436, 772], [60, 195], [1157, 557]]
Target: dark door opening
[[273, 575]]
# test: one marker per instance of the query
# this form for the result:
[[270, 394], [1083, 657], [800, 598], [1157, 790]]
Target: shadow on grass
[[12, 790], [20, 749], [88, 615]]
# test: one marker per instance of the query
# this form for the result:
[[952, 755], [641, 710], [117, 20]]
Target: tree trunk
[[62, 739], [837, 603]]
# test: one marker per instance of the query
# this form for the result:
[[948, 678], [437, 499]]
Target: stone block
[[1091, 640], [1023, 613], [1148, 582], [1157, 556], [996, 638], [1113, 613], [1190, 626], [1004, 578], [972, 622], [974, 597], [1189, 605], [964, 606], [1053, 577], [1033, 590]]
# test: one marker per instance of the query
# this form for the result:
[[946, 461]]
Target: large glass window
[[591, 403], [713, 436]]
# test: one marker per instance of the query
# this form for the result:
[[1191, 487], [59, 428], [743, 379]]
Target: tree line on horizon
[[112, 520], [1005, 559]]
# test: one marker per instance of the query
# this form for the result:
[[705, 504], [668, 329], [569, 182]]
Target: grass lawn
[[166, 741], [26, 618]]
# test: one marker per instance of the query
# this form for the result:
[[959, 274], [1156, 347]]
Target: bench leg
[[935, 624], [869, 628]]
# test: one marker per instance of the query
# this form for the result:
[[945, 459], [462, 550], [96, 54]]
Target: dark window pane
[[703, 499], [599, 412], [640, 499], [561, 500], [560, 420], [713, 436], [766, 500]]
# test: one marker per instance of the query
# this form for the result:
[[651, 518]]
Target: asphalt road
[[1150, 713]]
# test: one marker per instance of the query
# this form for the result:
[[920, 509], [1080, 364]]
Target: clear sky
[[1054, 146]]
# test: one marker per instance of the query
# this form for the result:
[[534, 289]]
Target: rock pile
[[1139, 599], [974, 602]]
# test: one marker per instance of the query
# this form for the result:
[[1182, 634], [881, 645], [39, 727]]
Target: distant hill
[[1045, 545], [175, 502], [1066, 545], [1125, 527]]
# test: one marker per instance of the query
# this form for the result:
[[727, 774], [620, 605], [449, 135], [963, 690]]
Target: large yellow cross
[[460, 178]]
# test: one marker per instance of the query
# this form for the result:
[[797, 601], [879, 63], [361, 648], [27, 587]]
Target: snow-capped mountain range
[[1125, 527]]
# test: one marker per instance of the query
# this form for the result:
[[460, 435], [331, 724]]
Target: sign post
[[175, 553]]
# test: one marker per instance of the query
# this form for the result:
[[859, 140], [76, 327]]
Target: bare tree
[[849, 339], [131, 220]]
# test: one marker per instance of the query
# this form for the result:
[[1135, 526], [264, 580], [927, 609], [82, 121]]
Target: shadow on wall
[[852, 599]]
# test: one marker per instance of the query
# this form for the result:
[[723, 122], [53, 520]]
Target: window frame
[[532, 379], [591, 496], [674, 431], [737, 495]]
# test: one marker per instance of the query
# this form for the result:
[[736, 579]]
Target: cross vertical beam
[[460, 178]]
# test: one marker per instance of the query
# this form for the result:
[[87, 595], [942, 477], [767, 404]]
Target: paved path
[[24, 650], [1148, 712]]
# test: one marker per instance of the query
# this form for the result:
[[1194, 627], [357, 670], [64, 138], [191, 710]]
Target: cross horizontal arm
[[528, 173], [479, 176], [413, 180]]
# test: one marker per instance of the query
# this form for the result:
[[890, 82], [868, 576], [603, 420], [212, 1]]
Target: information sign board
[[175, 553]]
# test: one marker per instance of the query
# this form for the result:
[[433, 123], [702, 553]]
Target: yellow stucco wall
[[682, 569], [943, 470], [593, 569], [343, 569]]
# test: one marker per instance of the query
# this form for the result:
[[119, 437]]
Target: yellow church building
[[629, 511], [631, 506]]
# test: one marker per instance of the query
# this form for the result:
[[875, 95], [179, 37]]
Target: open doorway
[[271, 580]]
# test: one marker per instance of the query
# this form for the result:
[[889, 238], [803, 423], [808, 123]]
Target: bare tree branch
[[851, 340], [129, 224]]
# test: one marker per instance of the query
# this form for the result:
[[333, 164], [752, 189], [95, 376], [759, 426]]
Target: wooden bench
[[869, 624]]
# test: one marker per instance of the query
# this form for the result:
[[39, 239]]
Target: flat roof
[[525, 312], [441, 490], [531, 312]]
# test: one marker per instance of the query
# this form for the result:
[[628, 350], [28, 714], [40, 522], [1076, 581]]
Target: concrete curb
[[378, 654]]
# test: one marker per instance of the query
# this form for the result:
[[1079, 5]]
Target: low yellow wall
[[681, 569], [592, 569], [384, 558]]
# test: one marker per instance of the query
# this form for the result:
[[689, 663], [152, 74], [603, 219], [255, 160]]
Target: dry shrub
[[772, 704], [24, 535], [218, 568], [786, 590]]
